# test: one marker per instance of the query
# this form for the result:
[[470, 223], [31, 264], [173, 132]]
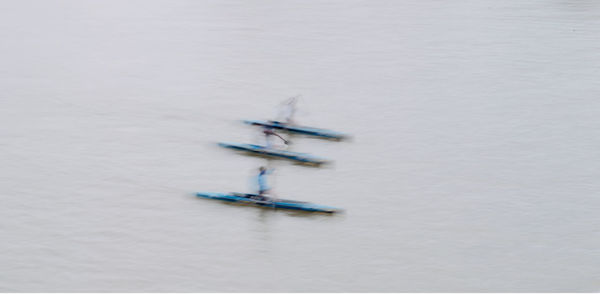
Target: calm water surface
[[474, 164]]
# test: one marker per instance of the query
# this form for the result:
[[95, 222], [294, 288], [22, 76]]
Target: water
[[473, 167]]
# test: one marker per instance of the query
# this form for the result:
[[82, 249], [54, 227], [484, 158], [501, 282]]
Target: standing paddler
[[263, 187], [268, 131], [287, 110]]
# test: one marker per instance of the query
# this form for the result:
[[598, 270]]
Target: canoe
[[262, 150], [328, 134], [255, 199]]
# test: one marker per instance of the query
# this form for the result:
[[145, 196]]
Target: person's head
[[262, 169]]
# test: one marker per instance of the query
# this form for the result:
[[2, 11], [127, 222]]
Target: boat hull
[[322, 133], [256, 200], [261, 150]]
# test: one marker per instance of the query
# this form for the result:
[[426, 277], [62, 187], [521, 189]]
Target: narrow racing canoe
[[254, 199], [262, 150], [328, 134]]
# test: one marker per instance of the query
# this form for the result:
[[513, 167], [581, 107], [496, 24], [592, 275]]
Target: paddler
[[268, 131], [287, 110], [263, 187]]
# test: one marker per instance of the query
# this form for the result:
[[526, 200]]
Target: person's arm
[[280, 138]]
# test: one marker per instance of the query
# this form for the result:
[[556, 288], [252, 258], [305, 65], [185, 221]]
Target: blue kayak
[[299, 129], [254, 199], [262, 150]]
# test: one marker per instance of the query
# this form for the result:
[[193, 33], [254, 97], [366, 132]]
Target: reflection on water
[[265, 216]]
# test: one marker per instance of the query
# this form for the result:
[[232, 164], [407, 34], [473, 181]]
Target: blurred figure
[[263, 187], [288, 110], [268, 131]]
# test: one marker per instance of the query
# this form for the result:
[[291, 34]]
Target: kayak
[[299, 129], [255, 199], [262, 150]]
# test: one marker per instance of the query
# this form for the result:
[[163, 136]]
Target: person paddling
[[268, 131], [288, 110], [263, 187]]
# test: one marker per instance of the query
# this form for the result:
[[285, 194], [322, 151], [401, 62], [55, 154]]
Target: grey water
[[473, 166]]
